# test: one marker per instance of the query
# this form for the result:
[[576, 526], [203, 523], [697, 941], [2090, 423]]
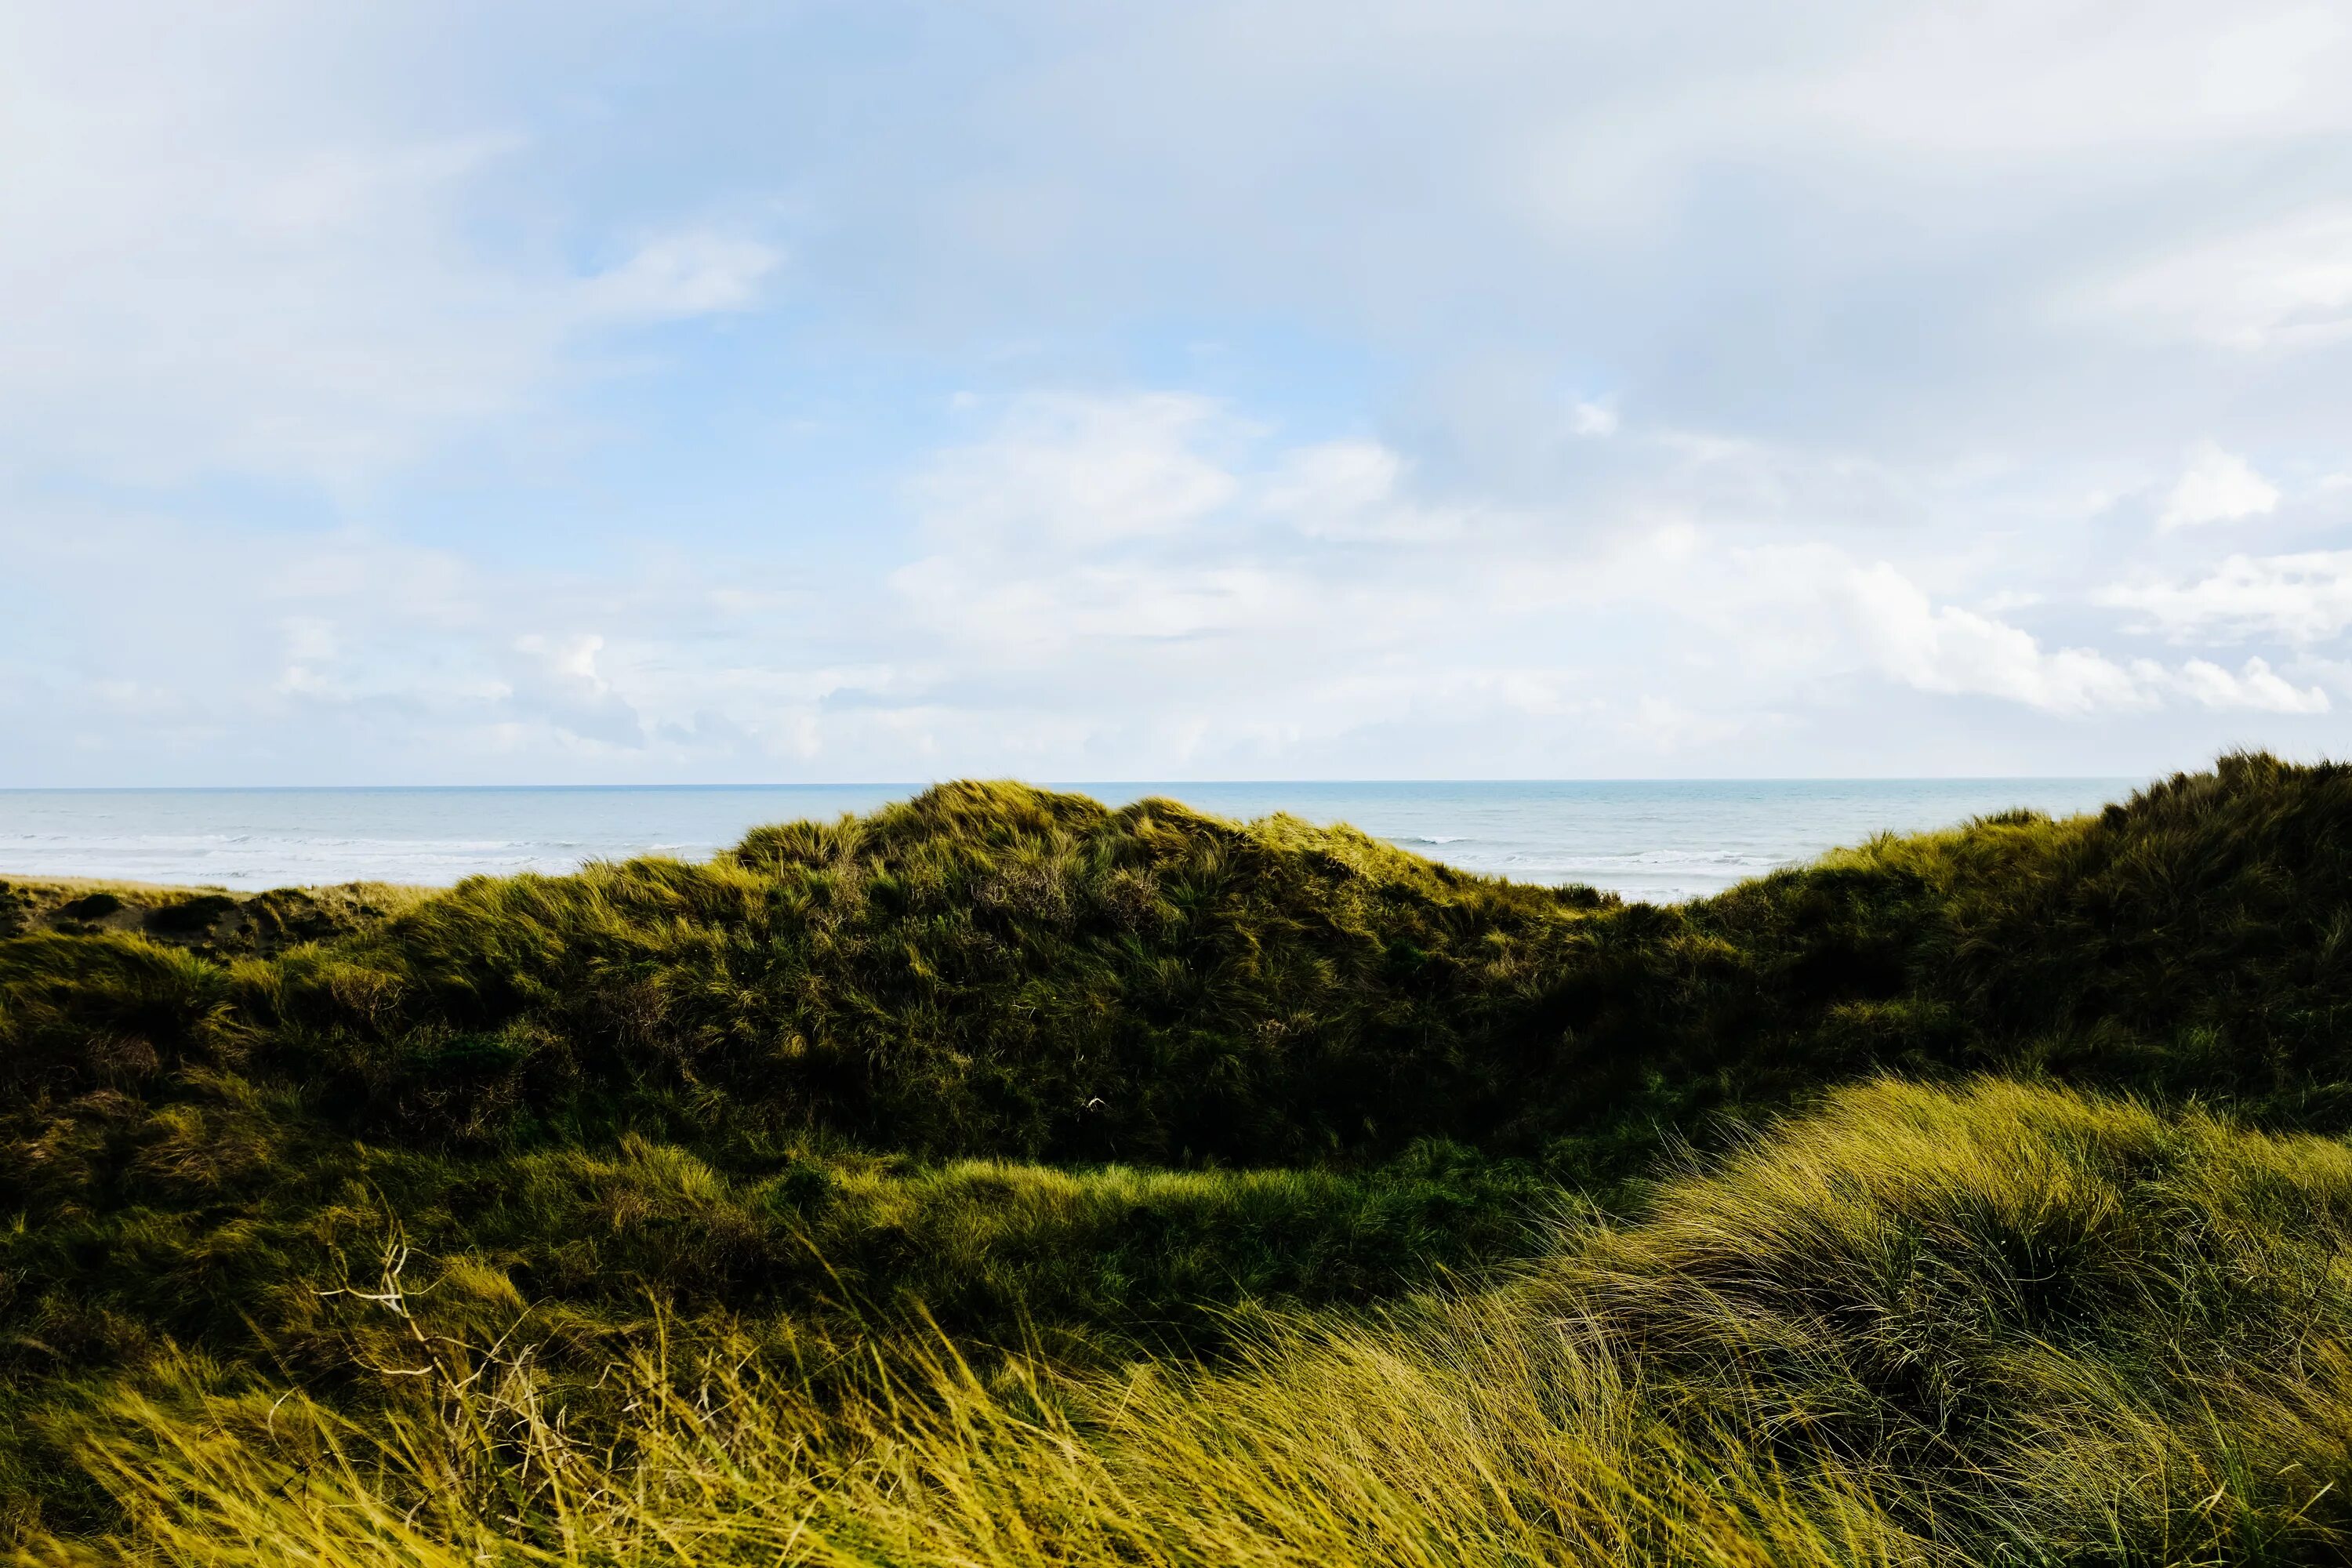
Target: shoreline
[[1656, 843]]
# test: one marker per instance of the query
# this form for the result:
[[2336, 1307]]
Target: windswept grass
[[1086, 1086], [995, 971], [244, 1246], [1998, 1324], [212, 922]]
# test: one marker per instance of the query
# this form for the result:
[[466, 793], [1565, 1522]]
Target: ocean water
[[1662, 840]]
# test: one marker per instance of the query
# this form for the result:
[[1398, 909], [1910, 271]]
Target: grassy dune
[[210, 921], [1002, 1177], [1990, 1324]]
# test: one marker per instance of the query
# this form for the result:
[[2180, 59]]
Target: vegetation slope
[[1985, 1325], [1080, 1082]]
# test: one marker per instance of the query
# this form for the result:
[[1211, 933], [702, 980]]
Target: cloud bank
[[422, 394]]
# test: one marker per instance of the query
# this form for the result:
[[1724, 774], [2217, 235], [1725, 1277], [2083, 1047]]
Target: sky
[[694, 392]]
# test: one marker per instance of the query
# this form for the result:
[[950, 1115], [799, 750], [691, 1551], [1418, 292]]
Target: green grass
[[992, 970], [1081, 1088], [212, 922], [1996, 1324]]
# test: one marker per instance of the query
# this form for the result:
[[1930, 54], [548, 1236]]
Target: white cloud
[[556, 679], [1353, 490], [1235, 642], [2297, 599], [1070, 468], [1668, 726], [2038, 80], [1154, 520], [222, 253], [2285, 284], [1218, 587], [1592, 418], [2255, 686], [1952, 650], [696, 273], [2217, 487], [1027, 608], [1949, 649], [344, 246], [1334, 476]]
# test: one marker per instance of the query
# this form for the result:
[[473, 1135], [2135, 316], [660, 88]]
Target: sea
[[1661, 840]]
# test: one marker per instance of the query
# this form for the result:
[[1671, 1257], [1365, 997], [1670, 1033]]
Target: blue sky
[[696, 393]]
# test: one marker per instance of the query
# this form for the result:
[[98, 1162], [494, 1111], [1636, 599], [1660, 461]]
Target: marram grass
[[1995, 1324], [1001, 1177]]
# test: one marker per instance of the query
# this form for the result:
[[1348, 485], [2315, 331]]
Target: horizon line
[[1076, 783]]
